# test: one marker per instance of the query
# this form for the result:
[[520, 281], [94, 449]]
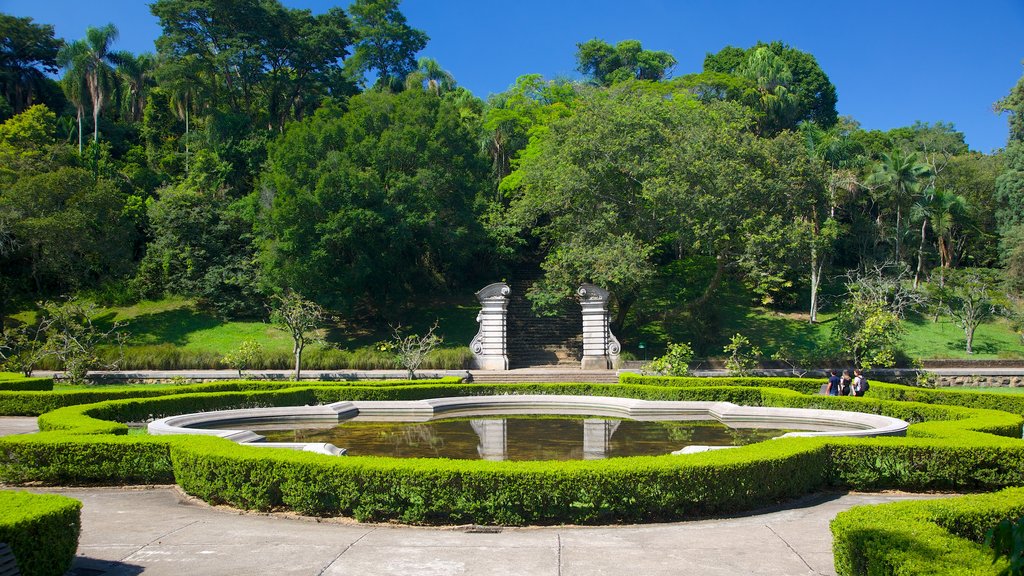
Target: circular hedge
[[952, 445]]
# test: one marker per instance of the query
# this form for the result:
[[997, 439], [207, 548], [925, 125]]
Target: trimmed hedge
[[22, 384], [940, 537], [41, 529], [955, 449], [34, 403]]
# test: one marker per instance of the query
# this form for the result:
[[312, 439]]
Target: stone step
[[530, 375]]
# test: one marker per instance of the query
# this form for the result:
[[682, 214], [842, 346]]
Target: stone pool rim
[[845, 423]]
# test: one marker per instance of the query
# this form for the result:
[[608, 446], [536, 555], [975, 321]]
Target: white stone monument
[[489, 346], [600, 347]]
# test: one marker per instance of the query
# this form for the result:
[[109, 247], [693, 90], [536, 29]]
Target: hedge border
[[41, 529], [950, 448], [940, 537]]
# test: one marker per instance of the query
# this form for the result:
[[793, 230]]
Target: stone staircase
[[549, 374], [541, 340]]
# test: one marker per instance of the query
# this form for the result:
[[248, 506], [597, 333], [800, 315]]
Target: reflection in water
[[526, 438]]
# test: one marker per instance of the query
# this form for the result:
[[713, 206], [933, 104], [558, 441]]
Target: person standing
[[860, 383], [845, 383], [833, 384]]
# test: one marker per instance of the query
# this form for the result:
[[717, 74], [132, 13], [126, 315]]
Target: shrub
[[23, 384], [41, 529], [950, 447], [941, 537], [675, 362]]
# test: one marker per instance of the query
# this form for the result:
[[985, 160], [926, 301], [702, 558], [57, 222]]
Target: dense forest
[[263, 150]]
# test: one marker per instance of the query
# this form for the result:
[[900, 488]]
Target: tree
[[202, 244], [300, 318], [136, 73], [70, 227], [772, 78], [28, 52], [689, 180], [72, 337], [384, 190], [93, 60], [430, 76], [74, 83], [606, 64], [970, 299], [940, 209], [385, 44], [814, 93], [900, 176], [255, 58], [411, 350], [511, 117]]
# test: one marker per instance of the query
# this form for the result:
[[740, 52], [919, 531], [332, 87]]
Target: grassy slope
[[175, 321]]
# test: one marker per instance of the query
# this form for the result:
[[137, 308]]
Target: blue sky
[[892, 61]]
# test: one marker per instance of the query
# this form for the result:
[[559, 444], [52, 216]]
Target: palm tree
[[182, 78], [92, 60], [939, 209], [901, 175], [73, 82], [137, 74], [438, 80]]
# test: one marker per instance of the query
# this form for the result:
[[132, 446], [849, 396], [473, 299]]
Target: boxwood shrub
[[20, 384], [41, 529], [940, 537], [949, 447]]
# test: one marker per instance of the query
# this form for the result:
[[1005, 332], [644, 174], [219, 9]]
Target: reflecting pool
[[517, 438]]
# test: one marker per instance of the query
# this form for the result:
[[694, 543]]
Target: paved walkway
[[158, 530]]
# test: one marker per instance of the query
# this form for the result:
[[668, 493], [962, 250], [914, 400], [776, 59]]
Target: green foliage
[[259, 59], [675, 361], [383, 190], [41, 529], [30, 53], [72, 337], [929, 537], [1006, 540], [68, 226], [950, 448], [201, 247], [412, 349], [385, 44], [248, 355], [741, 355], [797, 72], [606, 64]]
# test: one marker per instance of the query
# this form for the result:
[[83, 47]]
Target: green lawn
[[178, 323]]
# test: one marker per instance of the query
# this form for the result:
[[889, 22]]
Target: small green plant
[[411, 350], [248, 355], [742, 355], [1006, 540], [675, 362]]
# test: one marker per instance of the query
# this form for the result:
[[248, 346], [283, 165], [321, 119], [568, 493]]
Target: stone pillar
[[489, 346], [493, 436], [597, 434], [600, 348]]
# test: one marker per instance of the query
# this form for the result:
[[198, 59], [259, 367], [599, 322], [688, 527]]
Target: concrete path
[[158, 531], [18, 425]]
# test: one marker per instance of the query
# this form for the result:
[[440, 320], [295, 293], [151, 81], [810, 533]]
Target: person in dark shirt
[[833, 384]]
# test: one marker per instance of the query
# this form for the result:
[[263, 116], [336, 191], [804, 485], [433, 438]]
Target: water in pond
[[520, 438]]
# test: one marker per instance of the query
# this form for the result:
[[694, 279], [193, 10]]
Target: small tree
[[970, 299], [73, 337], [675, 362], [742, 355], [300, 317], [22, 348], [411, 350], [248, 355]]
